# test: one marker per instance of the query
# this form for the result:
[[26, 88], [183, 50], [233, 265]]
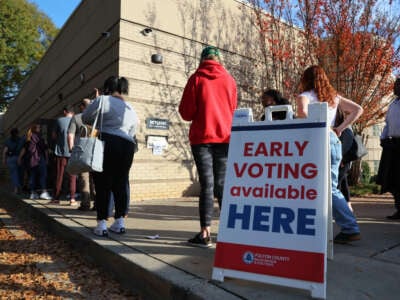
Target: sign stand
[[275, 221]]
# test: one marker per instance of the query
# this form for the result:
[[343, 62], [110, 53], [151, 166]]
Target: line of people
[[209, 100], [108, 189]]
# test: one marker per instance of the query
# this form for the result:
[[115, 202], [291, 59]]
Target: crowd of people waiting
[[29, 157], [208, 102]]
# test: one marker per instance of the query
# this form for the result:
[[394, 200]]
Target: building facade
[[156, 45], [125, 38]]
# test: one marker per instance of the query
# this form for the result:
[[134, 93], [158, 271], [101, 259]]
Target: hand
[[337, 131]]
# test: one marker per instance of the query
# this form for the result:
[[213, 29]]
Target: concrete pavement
[[152, 258]]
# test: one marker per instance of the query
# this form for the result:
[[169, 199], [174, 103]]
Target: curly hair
[[315, 78]]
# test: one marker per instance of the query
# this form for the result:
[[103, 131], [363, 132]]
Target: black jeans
[[118, 157], [210, 161]]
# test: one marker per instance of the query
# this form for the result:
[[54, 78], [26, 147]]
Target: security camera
[[106, 34], [146, 31]]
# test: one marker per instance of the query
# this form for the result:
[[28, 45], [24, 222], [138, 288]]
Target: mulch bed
[[36, 265]]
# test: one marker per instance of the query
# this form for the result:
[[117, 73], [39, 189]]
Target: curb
[[133, 269]]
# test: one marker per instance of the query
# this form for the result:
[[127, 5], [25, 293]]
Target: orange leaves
[[38, 266], [354, 41]]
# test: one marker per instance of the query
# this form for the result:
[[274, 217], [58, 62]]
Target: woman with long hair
[[315, 87]]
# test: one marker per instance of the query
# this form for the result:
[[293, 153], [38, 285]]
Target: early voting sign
[[273, 222]]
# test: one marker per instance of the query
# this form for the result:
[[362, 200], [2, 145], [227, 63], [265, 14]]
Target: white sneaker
[[118, 226], [45, 196], [101, 228], [33, 196]]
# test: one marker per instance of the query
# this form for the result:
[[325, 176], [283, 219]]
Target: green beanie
[[210, 50]]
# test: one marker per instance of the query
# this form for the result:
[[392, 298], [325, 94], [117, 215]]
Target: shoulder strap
[[99, 112]]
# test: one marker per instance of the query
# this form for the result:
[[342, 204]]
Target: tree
[[25, 35], [282, 45], [358, 46], [356, 42]]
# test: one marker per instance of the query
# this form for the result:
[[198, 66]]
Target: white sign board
[[273, 222]]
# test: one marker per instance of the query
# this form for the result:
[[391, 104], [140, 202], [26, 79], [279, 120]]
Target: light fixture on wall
[[157, 58], [106, 34], [82, 78], [146, 31]]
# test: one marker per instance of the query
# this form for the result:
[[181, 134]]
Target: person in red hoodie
[[208, 101]]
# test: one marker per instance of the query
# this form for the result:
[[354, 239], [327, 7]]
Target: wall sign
[[154, 123]]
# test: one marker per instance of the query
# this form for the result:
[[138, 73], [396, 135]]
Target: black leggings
[[210, 161], [118, 157]]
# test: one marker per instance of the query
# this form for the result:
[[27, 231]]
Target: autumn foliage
[[356, 42]]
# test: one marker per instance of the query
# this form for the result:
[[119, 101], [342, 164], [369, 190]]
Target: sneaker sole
[[200, 245], [104, 233], [120, 231], [347, 241]]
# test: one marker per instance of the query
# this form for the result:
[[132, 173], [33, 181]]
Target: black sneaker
[[344, 238], [395, 216], [83, 208], [199, 241]]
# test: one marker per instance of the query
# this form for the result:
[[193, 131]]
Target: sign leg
[[318, 291], [218, 274]]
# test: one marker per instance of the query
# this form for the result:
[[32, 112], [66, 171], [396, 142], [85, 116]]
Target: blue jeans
[[15, 171], [341, 211], [210, 161], [38, 175]]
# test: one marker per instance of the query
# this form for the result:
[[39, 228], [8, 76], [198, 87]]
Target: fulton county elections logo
[[248, 257]]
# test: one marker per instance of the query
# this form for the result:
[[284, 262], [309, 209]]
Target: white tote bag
[[87, 153]]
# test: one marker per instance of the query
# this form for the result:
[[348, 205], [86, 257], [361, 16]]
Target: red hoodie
[[209, 100]]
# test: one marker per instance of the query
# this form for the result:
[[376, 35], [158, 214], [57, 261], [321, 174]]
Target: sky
[[58, 10]]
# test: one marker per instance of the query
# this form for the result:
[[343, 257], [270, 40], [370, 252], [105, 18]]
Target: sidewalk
[[167, 268]]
